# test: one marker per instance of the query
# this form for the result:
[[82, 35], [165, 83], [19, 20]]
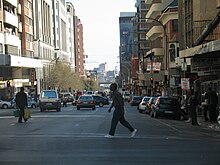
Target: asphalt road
[[73, 137]]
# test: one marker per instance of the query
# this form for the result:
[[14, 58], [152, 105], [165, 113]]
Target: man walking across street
[[21, 102], [118, 115]]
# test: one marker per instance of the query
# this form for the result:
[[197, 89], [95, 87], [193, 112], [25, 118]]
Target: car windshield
[[49, 94], [137, 98], [146, 99], [86, 98]]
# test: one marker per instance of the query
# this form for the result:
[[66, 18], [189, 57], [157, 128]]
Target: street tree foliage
[[91, 84], [62, 77]]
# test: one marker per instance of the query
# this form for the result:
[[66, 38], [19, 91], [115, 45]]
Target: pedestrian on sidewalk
[[193, 101], [212, 103], [21, 102], [205, 108], [182, 108], [118, 114]]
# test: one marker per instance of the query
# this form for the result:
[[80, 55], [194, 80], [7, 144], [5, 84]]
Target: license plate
[[85, 102], [168, 112], [49, 103]]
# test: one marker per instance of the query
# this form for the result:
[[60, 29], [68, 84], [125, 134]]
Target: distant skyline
[[100, 21]]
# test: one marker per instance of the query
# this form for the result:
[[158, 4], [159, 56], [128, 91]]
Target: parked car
[[167, 107], [85, 101], [67, 96], [150, 104], [143, 103], [32, 103], [127, 96], [5, 104], [101, 101], [135, 101], [49, 99]]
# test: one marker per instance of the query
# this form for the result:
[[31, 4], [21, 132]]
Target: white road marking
[[55, 116], [170, 126]]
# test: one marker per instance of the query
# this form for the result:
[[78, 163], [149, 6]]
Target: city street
[[76, 137]]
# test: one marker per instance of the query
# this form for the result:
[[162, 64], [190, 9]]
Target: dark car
[[85, 101], [101, 101], [135, 101], [150, 103], [167, 107]]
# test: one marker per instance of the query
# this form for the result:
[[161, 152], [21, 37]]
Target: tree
[[61, 76], [91, 84]]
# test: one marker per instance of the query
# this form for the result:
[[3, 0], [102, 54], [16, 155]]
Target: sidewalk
[[215, 126], [200, 119]]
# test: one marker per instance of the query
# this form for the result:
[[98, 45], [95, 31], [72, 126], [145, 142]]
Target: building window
[[1, 29], [1, 48], [175, 25], [172, 52]]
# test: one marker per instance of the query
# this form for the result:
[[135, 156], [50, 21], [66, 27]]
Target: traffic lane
[[145, 124], [95, 150], [170, 127], [56, 139]]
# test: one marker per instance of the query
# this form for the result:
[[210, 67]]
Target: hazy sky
[[100, 19]]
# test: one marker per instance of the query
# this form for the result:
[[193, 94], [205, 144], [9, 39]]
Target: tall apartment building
[[10, 43], [43, 40], [33, 36], [70, 31], [16, 45], [79, 47], [25, 12], [199, 40], [144, 44], [159, 23], [127, 47], [60, 31]]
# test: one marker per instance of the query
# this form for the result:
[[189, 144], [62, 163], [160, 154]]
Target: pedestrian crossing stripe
[[55, 116]]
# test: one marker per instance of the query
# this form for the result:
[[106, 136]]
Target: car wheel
[[140, 111], [101, 104], [5, 106]]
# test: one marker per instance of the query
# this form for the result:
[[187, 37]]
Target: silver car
[[5, 104], [143, 104]]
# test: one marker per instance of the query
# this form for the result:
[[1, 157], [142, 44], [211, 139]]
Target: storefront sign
[[185, 84], [205, 66], [155, 66]]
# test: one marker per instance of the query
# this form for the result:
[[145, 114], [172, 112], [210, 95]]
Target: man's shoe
[[109, 136], [133, 133]]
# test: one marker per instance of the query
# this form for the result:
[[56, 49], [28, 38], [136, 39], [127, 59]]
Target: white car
[[5, 104], [143, 104]]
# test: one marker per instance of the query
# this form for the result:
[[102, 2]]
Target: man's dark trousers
[[118, 116], [21, 114]]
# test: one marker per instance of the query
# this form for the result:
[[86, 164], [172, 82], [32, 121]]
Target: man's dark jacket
[[21, 99]]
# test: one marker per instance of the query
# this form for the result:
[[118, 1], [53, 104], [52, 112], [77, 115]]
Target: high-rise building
[[199, 39], [79, 47], [70, 33], [128, 48]]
